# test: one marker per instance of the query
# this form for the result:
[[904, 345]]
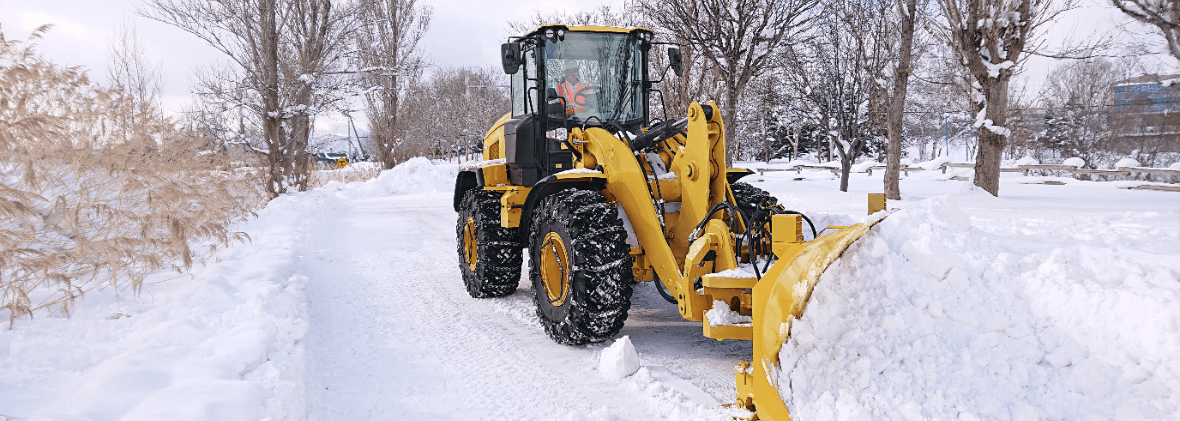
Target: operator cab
[[565, 77]]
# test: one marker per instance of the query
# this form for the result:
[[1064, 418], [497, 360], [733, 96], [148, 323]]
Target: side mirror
[[676, 61], [510, 57]]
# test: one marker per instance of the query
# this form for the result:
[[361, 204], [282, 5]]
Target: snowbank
[[415, 176], [223, 343], [927, 317]]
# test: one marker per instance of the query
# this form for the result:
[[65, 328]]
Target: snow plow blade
[[776, 304]]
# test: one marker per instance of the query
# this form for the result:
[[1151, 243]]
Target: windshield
[[594, 76]]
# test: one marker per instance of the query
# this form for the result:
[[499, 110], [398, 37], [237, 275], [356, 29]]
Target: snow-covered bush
[[1126, 162], [98, 189]]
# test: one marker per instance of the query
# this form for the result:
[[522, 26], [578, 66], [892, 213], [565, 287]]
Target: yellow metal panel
[[786, 232], [876, 202], [493, 140], [511, 204], [727, 332], [495, 175]]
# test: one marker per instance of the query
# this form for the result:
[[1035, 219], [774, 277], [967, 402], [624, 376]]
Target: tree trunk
[[845, 168], [272, 119], [897, 107], [991, 144], [730, 110]]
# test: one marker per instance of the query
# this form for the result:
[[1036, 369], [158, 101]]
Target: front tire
[[580, 267], [489, 255]]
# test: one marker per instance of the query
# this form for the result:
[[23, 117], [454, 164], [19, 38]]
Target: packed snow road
[[394, 335]]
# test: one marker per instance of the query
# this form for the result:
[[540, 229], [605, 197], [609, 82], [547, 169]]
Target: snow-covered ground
[[1049, 302]]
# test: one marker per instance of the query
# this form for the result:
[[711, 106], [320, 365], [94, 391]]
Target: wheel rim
[[470, 250], [555, 269]]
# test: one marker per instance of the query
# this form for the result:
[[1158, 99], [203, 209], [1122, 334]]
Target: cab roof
[[589, 28]]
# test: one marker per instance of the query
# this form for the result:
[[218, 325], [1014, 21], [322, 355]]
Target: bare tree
[[989, 38], [138, 81], [741, 38], [130, 70], [447, 118], [387, 47], [1162, 14], [604, 15], [1077, 96], [285, 51]]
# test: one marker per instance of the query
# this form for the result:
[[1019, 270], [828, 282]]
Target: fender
[[553, 184], [464, 181], [732, 175]]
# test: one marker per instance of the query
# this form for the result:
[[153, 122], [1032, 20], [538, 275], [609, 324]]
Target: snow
[[1075, 162], [580, 171], [619, 360], [1028, 160], [488, 163], [1048, 302], [721, 315], [1126, 162], [744, 271]]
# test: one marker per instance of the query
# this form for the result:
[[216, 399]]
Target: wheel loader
[[602, 196]]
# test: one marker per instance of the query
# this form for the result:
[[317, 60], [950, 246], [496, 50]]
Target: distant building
[[1148, 109], [1153, 93]]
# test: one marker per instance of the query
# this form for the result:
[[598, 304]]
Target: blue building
[[1149, 93]]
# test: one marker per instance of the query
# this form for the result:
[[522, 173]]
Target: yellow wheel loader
[[602, 197]]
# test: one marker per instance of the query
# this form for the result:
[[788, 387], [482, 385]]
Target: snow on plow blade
[[775, 305]]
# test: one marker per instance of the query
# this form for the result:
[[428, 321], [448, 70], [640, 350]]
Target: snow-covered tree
[[840, 74], [990, 38]]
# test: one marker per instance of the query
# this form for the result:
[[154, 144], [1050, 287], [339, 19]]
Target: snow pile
[[721, 315], [927, 317], [619, 360], [416, 176], [1126, 162], [1074, 162], [223, 343], [935, 163], [864, 166], [1028, 160]]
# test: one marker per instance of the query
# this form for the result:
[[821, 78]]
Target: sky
[[462, 33]]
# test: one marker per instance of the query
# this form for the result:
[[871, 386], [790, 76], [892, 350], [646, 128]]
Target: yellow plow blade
[[779, 298]]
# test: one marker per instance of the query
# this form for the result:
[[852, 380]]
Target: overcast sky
[[462, 32]]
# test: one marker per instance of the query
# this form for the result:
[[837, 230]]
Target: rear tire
[[580, 266], [489, 255]]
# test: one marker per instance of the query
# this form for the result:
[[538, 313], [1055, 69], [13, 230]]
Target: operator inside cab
[[573, 91]]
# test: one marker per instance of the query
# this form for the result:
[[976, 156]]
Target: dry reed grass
[[99, 190]]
